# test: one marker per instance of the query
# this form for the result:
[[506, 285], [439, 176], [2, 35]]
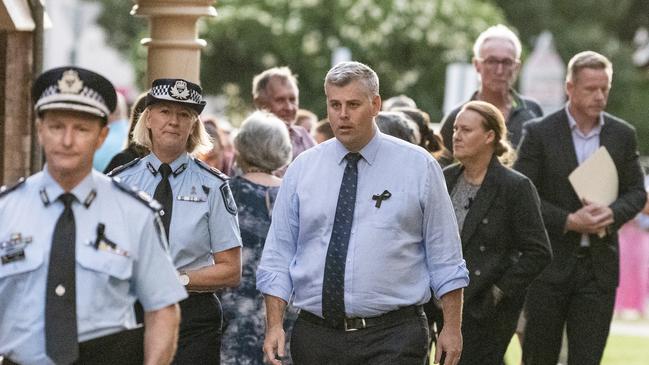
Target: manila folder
[[596, 178]]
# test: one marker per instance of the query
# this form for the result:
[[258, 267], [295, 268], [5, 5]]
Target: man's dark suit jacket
[[503, 238], [547, 156]]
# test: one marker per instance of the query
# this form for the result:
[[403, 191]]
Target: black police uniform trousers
[[124, 348], [199, 341], [400, 341]]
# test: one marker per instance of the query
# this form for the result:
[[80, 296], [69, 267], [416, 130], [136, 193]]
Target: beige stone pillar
[[174, 48]]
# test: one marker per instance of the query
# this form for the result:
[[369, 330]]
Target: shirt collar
[[517, 100], [573, 123], [177, 166], [50, 190], [368, 152]]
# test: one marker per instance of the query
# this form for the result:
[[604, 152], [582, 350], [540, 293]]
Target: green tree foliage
[[408, 43], [603, 26]]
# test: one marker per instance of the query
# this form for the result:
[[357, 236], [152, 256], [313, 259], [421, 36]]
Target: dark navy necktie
[[164, 196], [60, 299], [333, 285]]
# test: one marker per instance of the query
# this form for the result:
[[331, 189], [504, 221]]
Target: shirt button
[[60, 290], [482, 248], [477, 272], [485, 221]]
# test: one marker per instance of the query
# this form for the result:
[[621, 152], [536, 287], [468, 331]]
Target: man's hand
[[274, 344], [449, 342], [592, 218]]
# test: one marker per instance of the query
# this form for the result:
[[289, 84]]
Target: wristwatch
[[184, 278]]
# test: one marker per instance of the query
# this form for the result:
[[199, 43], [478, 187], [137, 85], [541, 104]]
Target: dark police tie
[[165, 196], [333, 285], [60, 299]]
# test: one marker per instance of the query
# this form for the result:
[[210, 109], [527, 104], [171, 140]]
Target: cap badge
[[179, 90], [70, 83]]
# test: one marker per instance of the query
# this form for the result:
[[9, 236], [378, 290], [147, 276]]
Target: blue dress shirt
[[107, 281], [396, 252], [201, 224], [114, 144]]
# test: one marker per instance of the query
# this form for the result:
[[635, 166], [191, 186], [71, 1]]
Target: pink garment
[[634, 268]]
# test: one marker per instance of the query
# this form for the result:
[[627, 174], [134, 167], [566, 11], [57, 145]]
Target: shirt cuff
[[455, 279], [275, 284]]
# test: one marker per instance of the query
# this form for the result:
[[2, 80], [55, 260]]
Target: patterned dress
[[243, 307]]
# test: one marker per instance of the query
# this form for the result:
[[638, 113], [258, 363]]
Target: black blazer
[[503, 238], [547, 156]]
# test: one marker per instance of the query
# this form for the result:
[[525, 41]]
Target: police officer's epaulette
[[139, 195], [4, 190], [123, 167], [211, 170]]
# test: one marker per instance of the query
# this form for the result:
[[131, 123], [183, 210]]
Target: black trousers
[[581, 305], [398, 343], [126, 347], [487, 336], [200, 330]]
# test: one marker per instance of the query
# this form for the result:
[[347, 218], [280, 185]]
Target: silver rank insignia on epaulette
[[192, 197], [151, 169], [14, 248]]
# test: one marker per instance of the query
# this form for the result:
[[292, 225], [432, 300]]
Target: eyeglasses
[[492, 62]]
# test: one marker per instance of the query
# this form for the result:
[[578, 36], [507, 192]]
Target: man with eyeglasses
[[496, 58]]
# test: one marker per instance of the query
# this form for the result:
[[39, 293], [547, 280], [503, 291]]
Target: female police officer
[[200, 215]]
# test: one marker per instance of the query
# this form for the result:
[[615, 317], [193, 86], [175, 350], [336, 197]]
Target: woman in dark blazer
[[504, 242]]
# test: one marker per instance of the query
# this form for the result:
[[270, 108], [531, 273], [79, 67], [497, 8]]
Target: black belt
[[357, 323]]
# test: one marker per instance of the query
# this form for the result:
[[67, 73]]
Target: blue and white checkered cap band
[[163, 92], [87, 100], [179, 91]]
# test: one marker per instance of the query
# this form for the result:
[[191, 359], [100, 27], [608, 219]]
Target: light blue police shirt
[[396, 251], [203, 218], [107, 281]]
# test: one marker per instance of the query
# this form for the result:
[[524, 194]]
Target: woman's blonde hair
[[199, 140], [493, 120]]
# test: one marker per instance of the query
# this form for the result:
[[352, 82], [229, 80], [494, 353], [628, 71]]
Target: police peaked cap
[[74, 88], [183, 92]]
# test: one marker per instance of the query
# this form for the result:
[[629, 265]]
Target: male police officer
[[78, 248]]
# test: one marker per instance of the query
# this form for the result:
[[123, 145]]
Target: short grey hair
[[398, 125], [399, 101], [588, 59], [263, 142], [498, 31], [345, 72], [260, 82]]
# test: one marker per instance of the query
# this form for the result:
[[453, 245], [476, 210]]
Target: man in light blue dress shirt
[[116, 249], [403, 242]]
